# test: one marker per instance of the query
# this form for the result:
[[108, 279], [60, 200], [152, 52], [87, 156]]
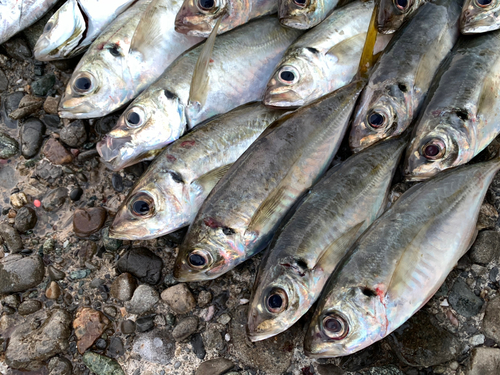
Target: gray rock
[[484, 361], [111, 244], [4, 82], [54, 199], [213, 339], [17, 48], [185, 328], [142, 263], [143, 300], [145, 323], [123, 287], [216, 366], [28, 105], [12, 301], [8, 146], [102, 365], [329, 370], [115, 348], [179, 298], [74, 135], [42, 86], [55, 274], [25, 219], [204, 298], [127, 327], [42, 336], [491, 321], [11, 238], [31, 137], [60, 366], [486, 247], [463, 300], [52, 121], [48, 171], [156, 346], [18, 274], [9, 104], [29, 307]]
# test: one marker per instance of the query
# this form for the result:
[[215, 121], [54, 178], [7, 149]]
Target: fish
[[16, 16], [462, 115], [74, 27], [322, 60], [402, 77], [304, 14], [163, 112], [243, 210], [126, 58], [198, 17], [170, 193], [399, 262], [480, 16], [304, 253], [392, 13]]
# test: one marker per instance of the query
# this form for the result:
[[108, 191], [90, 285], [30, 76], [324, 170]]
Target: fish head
[[61, 34], [392, 13], [479, 16], [300, 14], [381, 113], [198, 17], [151, 122], [351, 319]]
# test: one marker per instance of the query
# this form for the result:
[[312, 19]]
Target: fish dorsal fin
[[150, 30], [207, 181], [368, 60], [349, 48]]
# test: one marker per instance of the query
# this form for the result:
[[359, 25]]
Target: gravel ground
[[75, 301]]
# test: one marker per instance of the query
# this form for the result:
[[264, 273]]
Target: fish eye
[[376, 119], [115, 50], [335, 327], [198, 259], [83, 83], [434, 149], [483, 3], [206, 4], [228, 231], [142, 205], [402, 4], [288, 75], [48, 27], [300, 3], [134, 118], [277, 301]]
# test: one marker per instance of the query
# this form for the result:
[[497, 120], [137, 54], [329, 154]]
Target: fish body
[[63, 35], [322, 60], [402, 77], [16, 15], [241, 64], [304, 14], [198, 17], [462, 115], [180, 178], [126, 58], [306, 251], [392, 13], [244, 209], [480, 16], [398, 264]]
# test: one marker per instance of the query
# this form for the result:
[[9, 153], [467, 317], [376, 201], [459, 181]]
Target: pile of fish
[[244, 127]]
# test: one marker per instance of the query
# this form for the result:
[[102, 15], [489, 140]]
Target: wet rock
[[60, 366], [55, 274], [51, 104], [486, 247], [74, 134], [31, 137], [56, 153], [42, 336], [28, 105], [145, 323], [491, 321], [42, 86], [48, 172], [143, 300], [127, 327], [123, 287], [18, 274], [76, 194], [88, 221], [52, 121], [115, 348], [117, 182], [17, 48], [179, 298], [4, 82], [18, 200], [8, 146], [216, 366], [488, 217], [484, 361], [55, 199], [142, 263], [29, 307], [53, 291], [11, 238], [420, 342], [155, 346], [25, 219], [463, 300], [89, 325], [197, 345], [185, 328], [110, 244], [204, 298], [102, 365]]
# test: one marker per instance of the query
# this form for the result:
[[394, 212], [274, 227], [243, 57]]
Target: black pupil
[[207, 4], [431, 150], [287, 76], [275, 301], [141, 207], [376, 119], [48, 26], [300, 2], [196, 260], [333, 325], [133, 118], [114, 51], [404, 3], [484, 2], [83, 83]]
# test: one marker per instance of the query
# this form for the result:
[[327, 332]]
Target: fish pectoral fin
[[349, 49], [267, 210], [207, 181]]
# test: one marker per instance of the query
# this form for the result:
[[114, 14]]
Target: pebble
[[115, 347], [18, 200], [31, 135], [143, 300], [213, 339], [53, 291], [123, 287], [117, 182], [42, 86], [197, 345], [387, 370], [48, 171], [51, 105], [486, 247], [110, 310], [11, 238], [155, 346], [25, 219], [477, 340], [89, 325], [224, 319], [80, 274], [491, 321], [484, 361], [204, 298], [488, 217], [216, 366], [74, 134], [185, 328], [54, 199], [56, 153], [88, 221], [100, 344], [76, 194], [28, 105], [55, 274], [29, 307], [4, 82], [105, 124], [142, 263], [10, 104], [17, 48], [463, 300], [18, 274], [60, 366], [102, 365], [110, 244], [145, 323], [8, 146], [179, 298], [52, 121], [127, 326], [49, 245]]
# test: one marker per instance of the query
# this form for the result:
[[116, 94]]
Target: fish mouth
[[112, 150], [278, 98], [295, 22], [119, 231], [76, 108], [42, 49]]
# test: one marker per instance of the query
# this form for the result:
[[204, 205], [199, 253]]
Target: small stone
[[11, 238], [4, 82], [156, 346], [197, 345], [28, 105], [100, 344], [115, 348], [110, 310], [486, 247], [52, 121], [48, 171], [491, 321], [80, 274], [18, 274], [213, 339], [10, 103], [463, 300], [89, 325], [484, 361], [55, 274], [56, 153], [51, 105], [88, 221], [143, 300], [17, 48], [216, 366], [123, 287], [53, 291], [42, 86], [60, 366], [127, 327], [488, 217], [102, 365], [25, 219], [76, 194], [8, 146], [477, 340], [387, 370], [185, 328], [110, 244], [224, 319], [18, 200], [204, 298], [145, 323], [105, 124], [54, 199], [117, 182], [31, 137], [142, 263], [49, 245], [74, 134], [29, 307], [179, 298]]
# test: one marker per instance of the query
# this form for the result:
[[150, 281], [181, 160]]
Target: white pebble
[[477, 340], [244, 301], [227, 337], [444, 303]]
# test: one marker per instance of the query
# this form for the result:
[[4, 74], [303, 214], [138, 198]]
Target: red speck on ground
[[37, 203]]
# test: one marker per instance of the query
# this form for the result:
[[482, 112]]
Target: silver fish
[[306, 251], [401, 78], [304, 14], [244, 209], [480, 16], [75, 26], [462, 115], [171, 191], [398, 264], [162, 113], [127, 57], [392, 13]]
